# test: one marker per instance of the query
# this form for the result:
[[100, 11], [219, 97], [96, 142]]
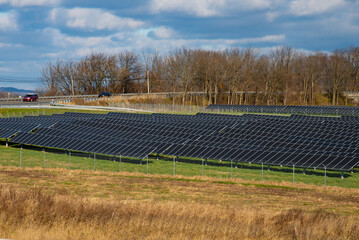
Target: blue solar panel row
[[319, 110], [303, 141], [82, 145]]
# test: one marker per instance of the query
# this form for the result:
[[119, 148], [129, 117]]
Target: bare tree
[[57, 77], [130, 69], [337, 73], [233, 76], [181, 68]]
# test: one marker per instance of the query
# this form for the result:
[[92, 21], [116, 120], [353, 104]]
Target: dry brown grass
[[60, 204], [149, 99], [154, 99]]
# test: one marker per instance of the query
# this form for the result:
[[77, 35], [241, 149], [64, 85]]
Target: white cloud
[[312, 7], [271, 16], [207, 8], [268, 38], [63, 40], [74, 46], [5, 69], [6, 45], [92, 19], [8, 21], [163, 32], [24, 3]]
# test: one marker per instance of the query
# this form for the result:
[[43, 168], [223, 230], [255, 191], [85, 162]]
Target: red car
[[30, 97]]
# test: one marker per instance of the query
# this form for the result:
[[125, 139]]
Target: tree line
[[232, 76]]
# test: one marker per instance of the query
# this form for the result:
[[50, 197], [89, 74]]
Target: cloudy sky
[[35, 32]]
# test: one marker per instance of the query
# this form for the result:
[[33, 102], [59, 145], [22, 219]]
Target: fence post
[[43, 148], [231, 167], [69, 159], [174, 166], [202, 168], [325, 176], [94, 161], [293, 172], [20, 155], [120, 164]]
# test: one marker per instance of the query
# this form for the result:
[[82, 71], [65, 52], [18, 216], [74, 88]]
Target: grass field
[[21, 112], [10, 156], [38, 203]]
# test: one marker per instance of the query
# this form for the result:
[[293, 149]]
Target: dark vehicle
[[104, 94], [31, 97]]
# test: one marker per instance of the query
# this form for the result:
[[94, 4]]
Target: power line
[[13, 78], [18, 77]]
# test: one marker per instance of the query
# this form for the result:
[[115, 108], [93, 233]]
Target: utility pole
[[72, 85], [148, 81]]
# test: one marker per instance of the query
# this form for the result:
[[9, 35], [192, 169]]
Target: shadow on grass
[[212, 163], [227, 164], [82, 154]]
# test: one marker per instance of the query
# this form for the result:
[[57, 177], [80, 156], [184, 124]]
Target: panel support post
[[69, 159], [43, 149], [205, 162], [94, 161], [342, 175], [303, 171], [236, 164], [7, 144], [262, 172], [174, 166], [268, 167]]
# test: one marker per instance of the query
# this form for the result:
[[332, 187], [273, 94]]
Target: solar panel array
[[303, 141], [317, 110]]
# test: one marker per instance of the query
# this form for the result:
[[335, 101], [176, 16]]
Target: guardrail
[[31, 105]]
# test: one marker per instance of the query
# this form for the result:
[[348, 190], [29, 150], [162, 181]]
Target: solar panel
[[319, 110], [7, 133], [303, 141]]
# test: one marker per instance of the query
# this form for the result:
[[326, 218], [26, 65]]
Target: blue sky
[[35, 32]]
